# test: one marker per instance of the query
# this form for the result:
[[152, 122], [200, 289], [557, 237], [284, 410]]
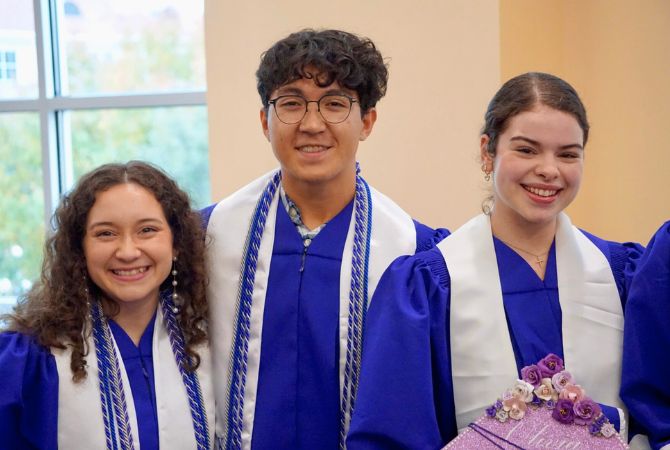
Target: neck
[[134, 318], [531, 237], [319, 202]]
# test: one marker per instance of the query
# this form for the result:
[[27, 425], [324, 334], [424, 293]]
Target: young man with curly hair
[[296, 255]]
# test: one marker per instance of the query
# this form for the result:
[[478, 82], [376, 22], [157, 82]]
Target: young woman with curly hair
[[108, 349]]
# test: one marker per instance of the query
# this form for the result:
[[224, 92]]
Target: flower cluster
[[548, 384]]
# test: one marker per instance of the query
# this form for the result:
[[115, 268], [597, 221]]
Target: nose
[[547, 167], [312, 122], [127, 249]]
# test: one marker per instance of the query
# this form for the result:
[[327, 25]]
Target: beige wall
[[447, 58], [617, 55], [444, 67]]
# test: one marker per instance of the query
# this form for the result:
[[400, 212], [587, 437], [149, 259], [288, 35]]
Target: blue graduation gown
[[405, 397], [298, 397], [29, 390], [645, 383]]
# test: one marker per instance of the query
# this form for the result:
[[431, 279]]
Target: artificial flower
[[563, 412], [515, 407], [502, 415], [550, 365], [531, 374], [572, 392], [608, 430], [523, 390], [585, 411], [546, 391], [562, 379]]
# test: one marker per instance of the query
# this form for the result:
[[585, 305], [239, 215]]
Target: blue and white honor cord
[[358, 301], [112, 395]]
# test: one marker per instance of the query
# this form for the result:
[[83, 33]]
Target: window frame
[[52, 104]]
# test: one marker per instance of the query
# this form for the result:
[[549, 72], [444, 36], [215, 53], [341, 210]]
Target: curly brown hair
[[353, 61], [55, 311]]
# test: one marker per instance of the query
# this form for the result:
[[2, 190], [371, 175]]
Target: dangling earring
[[487, 172], [175, 309]]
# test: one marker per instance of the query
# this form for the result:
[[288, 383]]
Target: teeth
[[312, 148], [541, 192], [129, 272]]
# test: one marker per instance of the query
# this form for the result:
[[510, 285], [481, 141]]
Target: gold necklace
[[538, 258]]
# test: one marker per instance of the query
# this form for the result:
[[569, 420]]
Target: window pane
[[173, 138], [115, 46], [21, 205], [18, 56]]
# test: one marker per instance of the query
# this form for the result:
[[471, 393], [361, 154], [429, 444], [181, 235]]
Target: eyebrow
[[139, 222], [295, 91], [538, 144]]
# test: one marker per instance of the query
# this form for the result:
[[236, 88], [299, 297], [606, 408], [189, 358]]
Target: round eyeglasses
[[291, 109]]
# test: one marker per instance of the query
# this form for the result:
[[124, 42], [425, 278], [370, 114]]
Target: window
[[87, 82], [7, 65]]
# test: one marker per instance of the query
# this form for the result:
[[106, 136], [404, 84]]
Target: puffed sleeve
[[645, 384], [28, 394], [427, 237], [405, 395]]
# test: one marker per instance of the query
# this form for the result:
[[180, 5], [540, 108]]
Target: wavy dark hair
[[55, 310], [521, 94], [352, 61]]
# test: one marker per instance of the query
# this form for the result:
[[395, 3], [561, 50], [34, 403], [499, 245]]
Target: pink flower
[[546, 391], [550, 365], [572, 392], [562, 379], [507, 395], [515, 407], [523, 391]]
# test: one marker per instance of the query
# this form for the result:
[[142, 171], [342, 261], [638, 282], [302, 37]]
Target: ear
[[484, 154], [264, 122], [369, 120]]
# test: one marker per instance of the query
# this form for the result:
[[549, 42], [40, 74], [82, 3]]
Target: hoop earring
[[174, 272]]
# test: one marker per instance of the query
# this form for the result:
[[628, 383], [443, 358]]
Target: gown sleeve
[[645, 385], [405, 395], [28, 394], [427, 237]]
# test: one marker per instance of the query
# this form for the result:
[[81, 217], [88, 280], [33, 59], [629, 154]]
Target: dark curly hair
[[352, 61], [521, 94], [55, 310]]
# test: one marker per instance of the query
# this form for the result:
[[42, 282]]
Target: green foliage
[[22, 199]]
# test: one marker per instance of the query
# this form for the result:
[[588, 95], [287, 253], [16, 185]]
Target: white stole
[[482, 359], [80, 422], [393, 235]]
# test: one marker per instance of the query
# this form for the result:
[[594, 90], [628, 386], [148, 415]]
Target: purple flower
[[601, 420], [536, 402], [531, 374], [563, 412], [551, 404], [550, 365], [585, 411], [594, 428], [498, 404], [491, 411]]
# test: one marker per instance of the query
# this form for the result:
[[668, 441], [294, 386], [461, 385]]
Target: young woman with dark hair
[[449, 329], [108, 349]]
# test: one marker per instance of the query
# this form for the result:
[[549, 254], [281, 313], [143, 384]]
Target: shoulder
[[427, 268], [619, 254], [427, 237], [23, 360]]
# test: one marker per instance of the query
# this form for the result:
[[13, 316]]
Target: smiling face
[[538, 166], [314, 153], [128, 245]]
